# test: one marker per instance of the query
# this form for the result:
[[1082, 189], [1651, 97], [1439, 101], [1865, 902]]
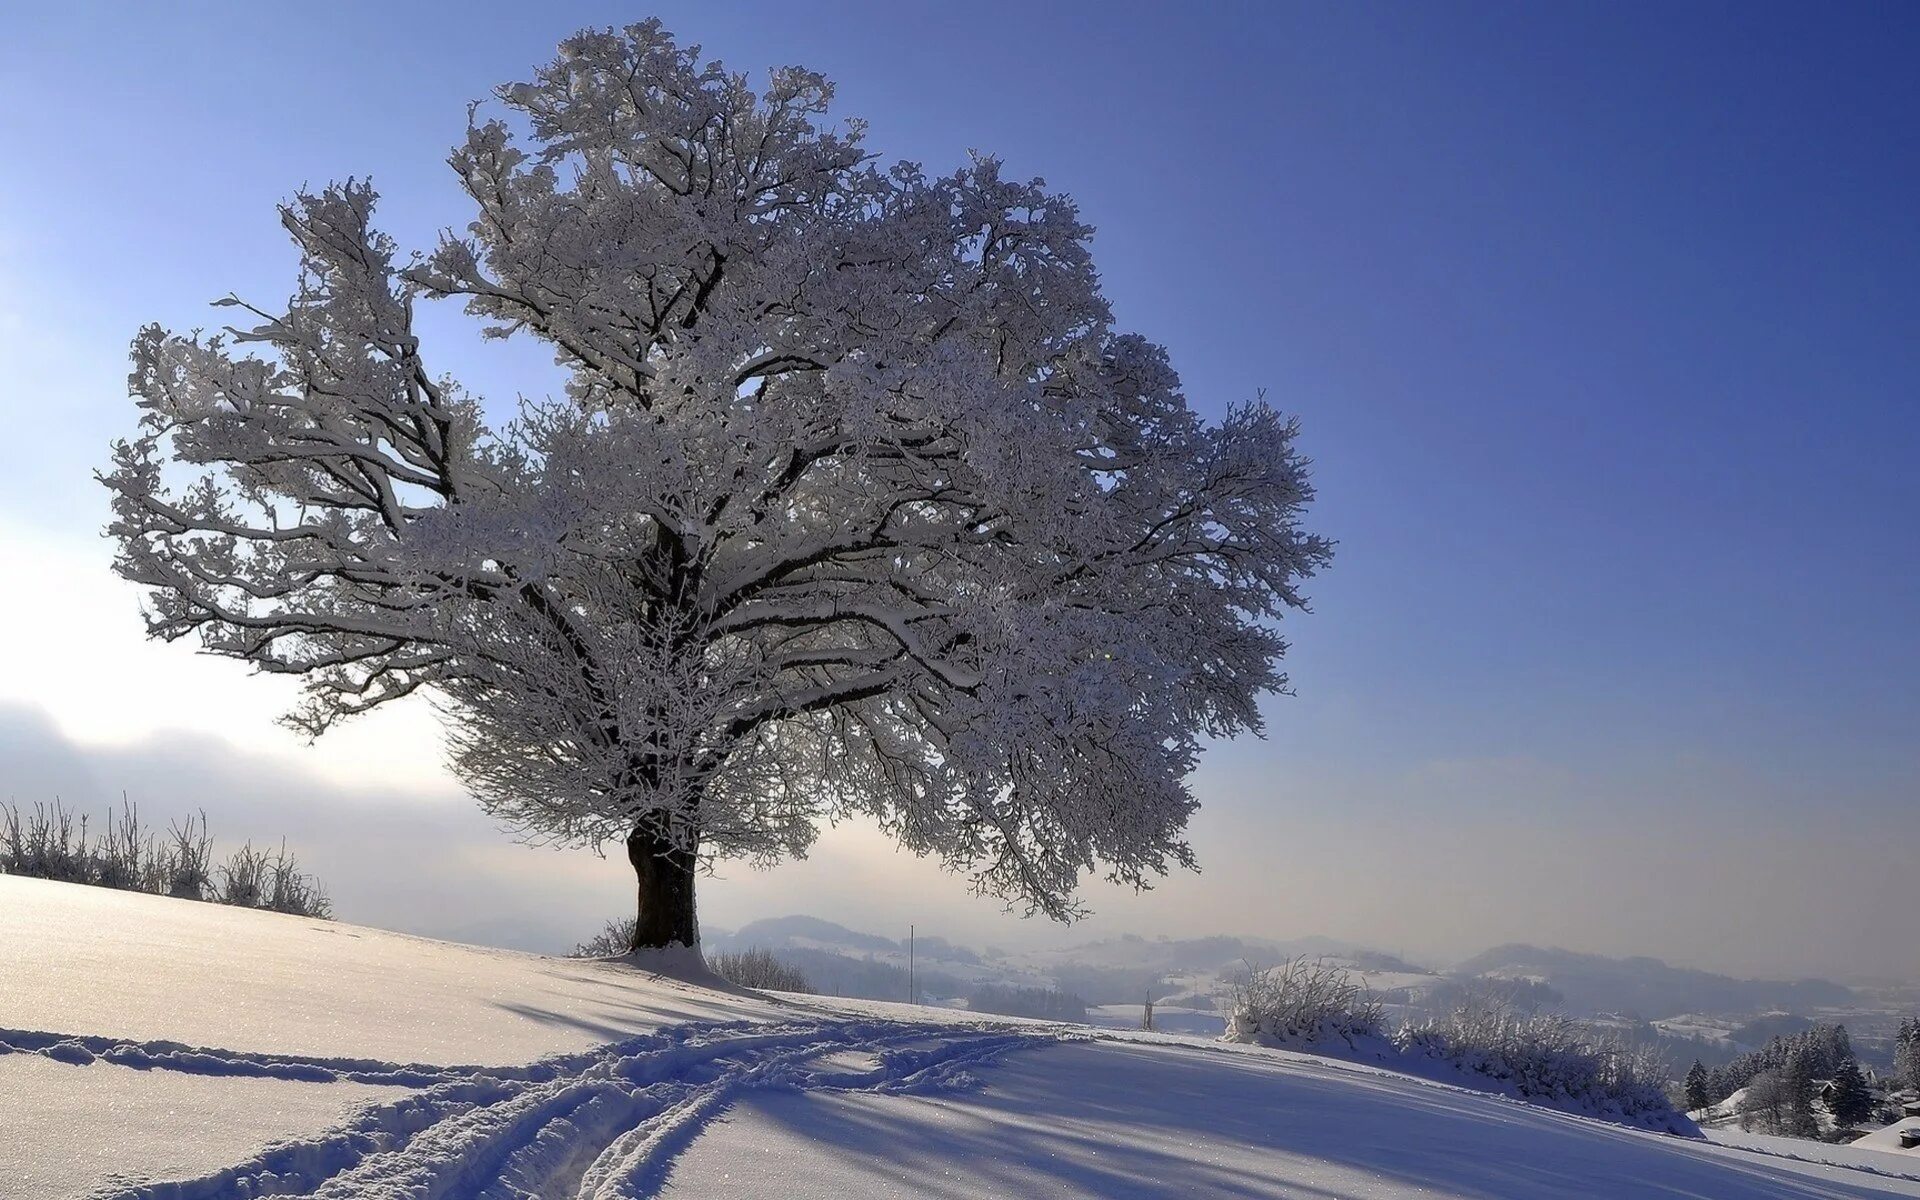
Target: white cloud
[[72, 644], [1691, 858]]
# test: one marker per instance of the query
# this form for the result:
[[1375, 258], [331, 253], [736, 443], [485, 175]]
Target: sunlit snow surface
[[163, 1049], [95, 961], [1115, 1119]]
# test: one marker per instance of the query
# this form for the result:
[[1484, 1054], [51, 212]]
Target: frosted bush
[[253, 878], [1302, 1001], [48, 841], [616, 938], [45, 842], [758, 968], [184, 866], [1546, 1057], [753, 968]]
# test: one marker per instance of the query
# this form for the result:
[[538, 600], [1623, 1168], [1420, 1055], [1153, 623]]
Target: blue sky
[[1600, 320]]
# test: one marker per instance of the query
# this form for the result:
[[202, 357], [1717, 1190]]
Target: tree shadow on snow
[[1114, 1120]]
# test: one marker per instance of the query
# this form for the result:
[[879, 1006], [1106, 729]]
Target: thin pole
[[913, 997]]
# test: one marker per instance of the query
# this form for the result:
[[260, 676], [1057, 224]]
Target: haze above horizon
[[1600, 322]]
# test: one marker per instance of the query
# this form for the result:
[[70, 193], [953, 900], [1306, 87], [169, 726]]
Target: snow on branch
[[855, 502]]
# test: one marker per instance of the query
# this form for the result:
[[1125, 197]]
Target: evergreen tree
[[1827, 1047], [1851, 1102], [1720, 1083], [1906, 1053], [1821, 1050], [1696, 1087], [1796, 1099]]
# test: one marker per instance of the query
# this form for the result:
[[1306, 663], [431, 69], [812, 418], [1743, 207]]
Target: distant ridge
[[1648, 986]]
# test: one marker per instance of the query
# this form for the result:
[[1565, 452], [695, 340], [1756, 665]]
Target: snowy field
[[165, 1049], [1166, 1017]]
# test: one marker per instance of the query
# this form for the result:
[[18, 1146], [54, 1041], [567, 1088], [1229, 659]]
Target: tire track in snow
[[80, 1050], [603, 1124]]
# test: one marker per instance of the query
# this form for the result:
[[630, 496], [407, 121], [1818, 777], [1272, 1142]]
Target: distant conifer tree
[[1697, 1096], [1796, 1085], [1906, 1053], [1851, 1102]]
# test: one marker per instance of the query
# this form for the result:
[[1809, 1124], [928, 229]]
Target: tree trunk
[[665, 874]]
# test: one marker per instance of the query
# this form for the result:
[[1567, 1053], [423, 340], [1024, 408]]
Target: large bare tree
[[855, 502]]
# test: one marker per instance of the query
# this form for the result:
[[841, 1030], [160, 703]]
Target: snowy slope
[[1112, 1119], [1167, 1018], [163, 1049], [90, 960]]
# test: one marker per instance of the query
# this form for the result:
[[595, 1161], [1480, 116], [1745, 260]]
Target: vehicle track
[[603, 1124]]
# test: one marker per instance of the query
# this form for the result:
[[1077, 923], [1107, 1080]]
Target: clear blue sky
[[1603, 323]]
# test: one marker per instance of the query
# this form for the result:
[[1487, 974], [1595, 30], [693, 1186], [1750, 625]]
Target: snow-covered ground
[[1166, 1017], [1716, 1031], [1892, 1137], [162, 1049], [1112, 1119], [96, 961], [1879, 1152]]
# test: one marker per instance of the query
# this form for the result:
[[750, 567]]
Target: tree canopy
[[854, 501]]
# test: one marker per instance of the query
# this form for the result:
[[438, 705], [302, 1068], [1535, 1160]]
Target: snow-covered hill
[[160, 1048], [1593, 983], [1113, 972]]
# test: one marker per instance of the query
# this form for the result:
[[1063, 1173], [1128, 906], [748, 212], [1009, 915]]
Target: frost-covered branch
[[855, 501]]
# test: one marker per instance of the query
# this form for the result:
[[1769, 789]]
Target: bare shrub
[[1301, 1001], [758, 968], [616, 938], [1763, 1103]]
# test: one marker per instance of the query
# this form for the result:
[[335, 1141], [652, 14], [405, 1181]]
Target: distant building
[[1901, 1136]]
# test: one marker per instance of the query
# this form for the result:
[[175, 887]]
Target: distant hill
[[1128, 969], [1216, 952], [1119, 970], [1594, 983], [778, 933]]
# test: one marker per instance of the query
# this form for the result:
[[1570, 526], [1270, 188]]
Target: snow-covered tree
[[1765, 1103], [1906, 1053], [1695, 1089], [855, 501], [1851, 1100]]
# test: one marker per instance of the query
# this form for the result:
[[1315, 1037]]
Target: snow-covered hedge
[[1301, 1002], [1548, 1058], [1482, 1042], [48, 841]]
